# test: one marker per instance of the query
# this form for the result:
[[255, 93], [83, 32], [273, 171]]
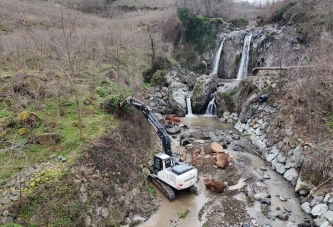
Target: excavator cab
[[161, 162]]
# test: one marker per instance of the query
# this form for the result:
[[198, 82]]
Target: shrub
[[240, 22], [160, 63], [100, 92], [199, 31], [113, 105], [278, 14], [227, 96], [157, 78]]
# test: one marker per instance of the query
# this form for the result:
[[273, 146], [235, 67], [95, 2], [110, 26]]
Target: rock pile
[[284, 150], [229, 117], [321, 208], [216, 156]]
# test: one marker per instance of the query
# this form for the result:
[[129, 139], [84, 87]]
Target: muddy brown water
[[168, 213], [276, 186], [205, 123]]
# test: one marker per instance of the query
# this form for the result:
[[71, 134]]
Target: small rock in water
[[263, 168], [287, 209], [282, 198], [266, 201], [283, 217], [266, 176], [304, 225]]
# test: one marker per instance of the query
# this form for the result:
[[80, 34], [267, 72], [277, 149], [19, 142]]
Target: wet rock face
[[202, 90], [231, 54], [268, 44]]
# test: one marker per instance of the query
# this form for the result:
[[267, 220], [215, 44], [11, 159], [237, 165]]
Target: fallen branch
[[319, 186], [257, 154]]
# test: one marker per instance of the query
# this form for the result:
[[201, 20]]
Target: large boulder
[[29, 119], [48, 138], [222, 158], [191, 79], [202, 90], [248, 110], [177, 98], [171, 77], [5, 123], [214, 185], [224, 98], [173, 130]]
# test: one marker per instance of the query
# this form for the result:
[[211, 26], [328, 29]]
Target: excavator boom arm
[[160, 130]]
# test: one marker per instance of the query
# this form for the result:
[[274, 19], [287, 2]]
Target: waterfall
[[211, 108], [217, 58], [242, 71], [188, 104]]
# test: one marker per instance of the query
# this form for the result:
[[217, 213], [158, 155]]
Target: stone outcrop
[[191, 79], [223, 97], [171, 77], [231, 54], [29, 119], [177, 98], [202, 90], [48, 138], [266, 49]]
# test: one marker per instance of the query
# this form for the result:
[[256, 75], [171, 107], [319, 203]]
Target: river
[[248, 167]]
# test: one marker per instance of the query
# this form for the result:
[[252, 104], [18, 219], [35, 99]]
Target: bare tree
[[70, 50], [151, 33]]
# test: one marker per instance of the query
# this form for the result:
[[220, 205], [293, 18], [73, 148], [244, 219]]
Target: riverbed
[[232, 207]]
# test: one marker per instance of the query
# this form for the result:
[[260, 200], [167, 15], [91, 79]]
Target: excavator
[[168, 173]]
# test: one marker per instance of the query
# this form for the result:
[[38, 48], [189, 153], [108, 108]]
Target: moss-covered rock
[[21, 131], [29, 119], [5, 123], [48, 138]]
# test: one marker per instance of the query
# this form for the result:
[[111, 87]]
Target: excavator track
[[163, 187]]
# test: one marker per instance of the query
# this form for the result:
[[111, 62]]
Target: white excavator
[[168, 173]]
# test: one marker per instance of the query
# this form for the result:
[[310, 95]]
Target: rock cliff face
[[271, 46], [231, 54]]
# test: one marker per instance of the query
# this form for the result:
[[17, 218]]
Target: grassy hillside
[[58, 65]]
